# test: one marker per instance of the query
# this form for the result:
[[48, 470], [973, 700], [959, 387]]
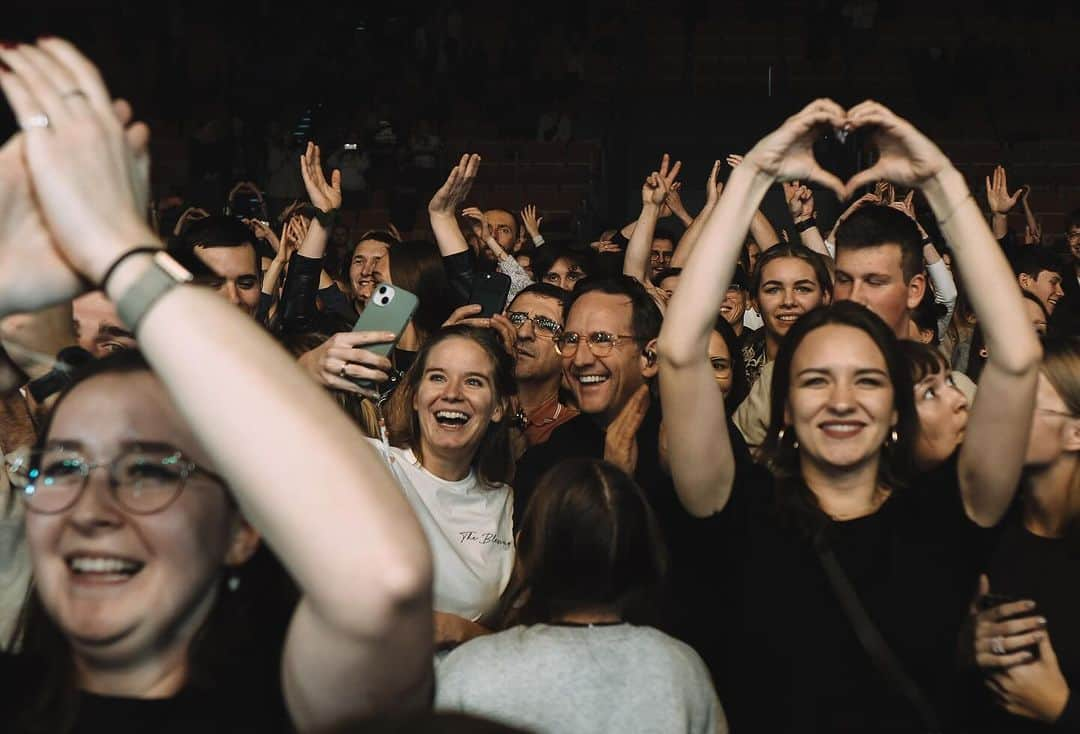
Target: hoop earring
[[892, 438]]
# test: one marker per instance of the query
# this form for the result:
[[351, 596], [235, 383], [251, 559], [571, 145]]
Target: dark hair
[[667, 273], [416, 266], [517, 225], [1033, 260], [922, 360], [645, 317], [799, 252], [1035, 299], [876, 225], [739, 386], [588, 540], [663, 233], [1072, 220], [927, 313], [549, 254], [494, 460], [378, 236], [245, 627], [213, 231], [796, 502], [546, 290]]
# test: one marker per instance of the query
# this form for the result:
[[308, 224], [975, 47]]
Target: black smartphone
[[490, 290]]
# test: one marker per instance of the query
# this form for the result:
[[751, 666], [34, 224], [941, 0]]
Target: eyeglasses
[[600, 342], [661, 255], [544, 326], [143, 479]]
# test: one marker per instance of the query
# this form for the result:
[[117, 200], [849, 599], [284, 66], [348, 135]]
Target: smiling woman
[[450, 451]]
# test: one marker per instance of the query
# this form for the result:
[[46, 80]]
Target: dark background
[[218, 81]]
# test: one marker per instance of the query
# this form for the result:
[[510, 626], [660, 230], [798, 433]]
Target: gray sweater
[[567, 679]]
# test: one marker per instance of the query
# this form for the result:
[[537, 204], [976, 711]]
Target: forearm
[[448, 235], [696, 303], [519, 279], [998, 426], [355, 530], [811, 237], [636, 262], [314, 244], [690, 238], [1000, 225], [272, 276], [762, 231], [985, 273]]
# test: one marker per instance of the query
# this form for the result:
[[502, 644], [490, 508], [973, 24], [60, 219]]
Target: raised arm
[[702, 462], [360, 639], [800, 201], [992, 454], [713, 188], [1001, 201], [326, 197], [654, 192], [446, 202]]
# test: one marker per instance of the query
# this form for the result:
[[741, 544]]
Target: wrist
[[945, 191], [537, 239], [112, 247]]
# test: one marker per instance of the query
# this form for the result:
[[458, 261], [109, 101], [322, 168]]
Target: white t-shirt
[[470, 527]]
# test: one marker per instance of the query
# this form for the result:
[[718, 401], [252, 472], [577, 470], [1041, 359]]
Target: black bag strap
[[875, 645]]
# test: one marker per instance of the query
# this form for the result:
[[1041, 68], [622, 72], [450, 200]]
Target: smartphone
[[490, 290], [350, 146], [389, 309]]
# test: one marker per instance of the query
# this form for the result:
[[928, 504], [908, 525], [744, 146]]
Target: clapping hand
[[800, 200], [447, 200], [325, 196]]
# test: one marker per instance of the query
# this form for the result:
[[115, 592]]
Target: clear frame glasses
[[143, 479], [600, 342], [544, 326]]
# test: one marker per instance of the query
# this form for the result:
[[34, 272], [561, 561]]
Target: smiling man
[[608, 353], [537, 314], [1038, 271], [220, 252]]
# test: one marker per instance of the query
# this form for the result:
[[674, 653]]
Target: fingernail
[[1042, 621]]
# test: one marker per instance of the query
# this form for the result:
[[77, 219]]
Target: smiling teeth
[[102, 565], [592, 379], [452, 415]]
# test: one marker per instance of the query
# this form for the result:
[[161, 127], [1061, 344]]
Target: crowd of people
[[818, 479]]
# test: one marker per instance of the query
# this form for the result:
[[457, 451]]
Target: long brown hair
[[588, 540], [796, 501], [1061, 366], [494, 460]]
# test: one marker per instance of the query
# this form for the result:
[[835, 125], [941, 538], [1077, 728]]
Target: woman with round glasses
[[841, 536], [448, 431], [154, 479]]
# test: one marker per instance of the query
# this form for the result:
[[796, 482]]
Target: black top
[[252, 704], [1046, 571], [786, 657], [685, 613]]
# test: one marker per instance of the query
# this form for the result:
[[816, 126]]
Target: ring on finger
[[997, 645], [344, 366], [38, 120]]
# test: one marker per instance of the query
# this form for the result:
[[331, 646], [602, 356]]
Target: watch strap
[[162, 276]]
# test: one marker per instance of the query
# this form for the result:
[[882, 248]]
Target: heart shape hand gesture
[[905, 155]]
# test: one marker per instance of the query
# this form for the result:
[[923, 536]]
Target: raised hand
[[263, 232], [733, 160], [531, 221], [620, 439], [477, 215], [324, 196], [87, 172], [713, 186], [800, 200], [905, 155], [447, 200], [997, 193], [788, 153], [668, 174], [652, 190]]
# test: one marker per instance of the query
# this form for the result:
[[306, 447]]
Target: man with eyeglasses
[[663, 249], [607, 348], [537, 314]]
